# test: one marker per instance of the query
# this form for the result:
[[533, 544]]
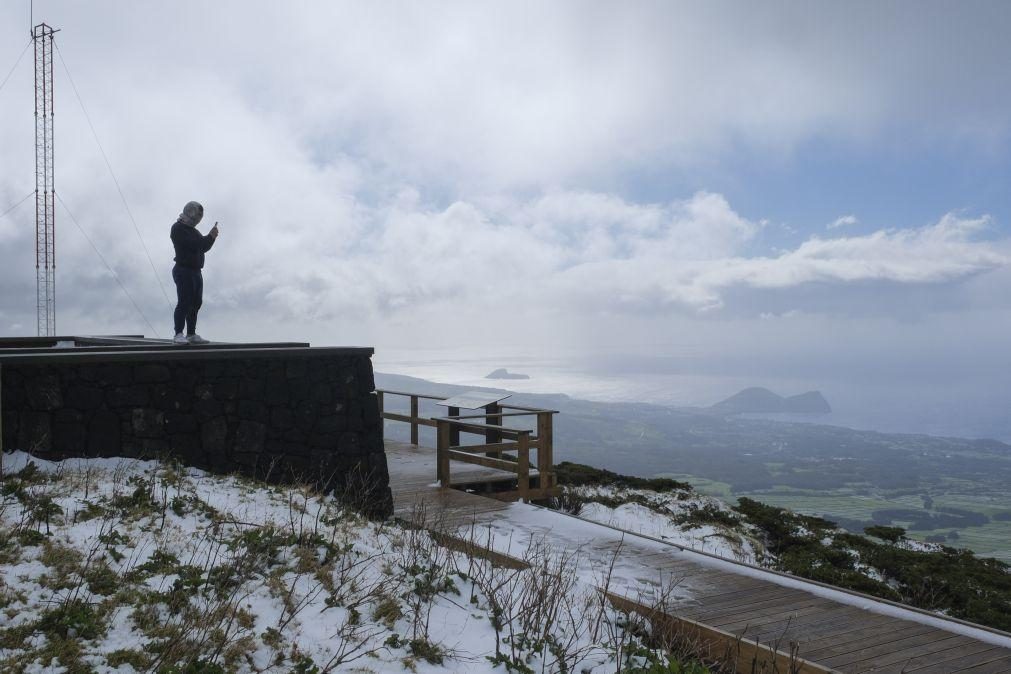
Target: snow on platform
[[841, 630]]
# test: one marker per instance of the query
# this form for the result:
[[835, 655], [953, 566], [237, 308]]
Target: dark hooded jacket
[[190, 245]]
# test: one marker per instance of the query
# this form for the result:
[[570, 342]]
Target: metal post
[[1, 421], [45, 183]]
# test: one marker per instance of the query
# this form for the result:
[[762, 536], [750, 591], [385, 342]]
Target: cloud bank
[[398, 173]]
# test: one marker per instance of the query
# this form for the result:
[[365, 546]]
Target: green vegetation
[[855, 512], [883, 563], [949, 580], [577, 475], [836, 472], [131, 568]]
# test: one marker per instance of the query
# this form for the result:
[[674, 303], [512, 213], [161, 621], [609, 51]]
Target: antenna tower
[[45, 189]]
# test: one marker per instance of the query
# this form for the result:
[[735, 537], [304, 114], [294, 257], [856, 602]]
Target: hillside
[[955, 489], [758, 400], [114, 565], [884, 564]]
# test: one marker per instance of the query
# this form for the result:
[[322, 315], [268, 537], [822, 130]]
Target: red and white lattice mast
[[45, 190]]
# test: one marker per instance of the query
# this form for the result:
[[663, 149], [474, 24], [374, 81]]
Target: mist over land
[[942, 403], [952, 489]]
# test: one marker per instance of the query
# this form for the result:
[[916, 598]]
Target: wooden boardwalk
[[833, 630]]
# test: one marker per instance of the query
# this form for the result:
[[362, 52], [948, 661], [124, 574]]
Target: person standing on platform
[[190, 246]]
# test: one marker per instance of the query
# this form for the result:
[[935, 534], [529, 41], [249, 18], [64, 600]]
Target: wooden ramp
[[833, 630]]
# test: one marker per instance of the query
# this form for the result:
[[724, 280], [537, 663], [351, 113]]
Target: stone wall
[[303, 416]]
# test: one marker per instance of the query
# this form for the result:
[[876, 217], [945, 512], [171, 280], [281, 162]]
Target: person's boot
[[180, 338]]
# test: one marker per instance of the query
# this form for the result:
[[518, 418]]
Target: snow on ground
[[522, 523], [124, 566], [683, 518], [918, 546]]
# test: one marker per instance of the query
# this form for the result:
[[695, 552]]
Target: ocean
[[971, 408]]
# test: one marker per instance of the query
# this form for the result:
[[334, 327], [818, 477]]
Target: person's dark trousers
[[190, 294]]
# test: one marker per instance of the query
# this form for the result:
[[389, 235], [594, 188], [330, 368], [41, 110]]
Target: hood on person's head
[[192, 214]]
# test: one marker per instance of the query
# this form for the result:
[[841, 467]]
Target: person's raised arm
[[212, 236]]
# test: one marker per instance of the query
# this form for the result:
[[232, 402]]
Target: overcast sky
[[805, 189]]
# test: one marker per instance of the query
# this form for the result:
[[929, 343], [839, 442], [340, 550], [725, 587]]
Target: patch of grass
[[139, 502], [135, 658], [74, 619], [189, 503], [30, 537], [427, 651], [65, 563], [387, 611], [161, 563], [578, 474], [195, 667], [90, 511], [102, 580], [954, 581]]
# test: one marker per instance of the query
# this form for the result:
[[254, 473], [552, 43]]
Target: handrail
[[481, 428], [410, 395], [528, 409], [449, 427], [488, 415]]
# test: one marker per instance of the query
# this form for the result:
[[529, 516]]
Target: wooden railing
[[504, 448]]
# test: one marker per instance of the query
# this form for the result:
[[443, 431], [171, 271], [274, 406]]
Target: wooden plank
[[805, 616], [1002, 666], [521, 408], [462, 457], [466, 478], [776, 603], [854, 615], [814, 612], [394, 416], [442, 457], [523, 470], [743, 655], [414, 420], [737, 605], [714, 603], [713, 579], [951, 656], [961, 664], [707, 612], [854, 650], [454, 429], [729, 590], [903, 655], [404, 393], [804, 627], [845, 634], [494, 448], [545, 448], [493, 417]]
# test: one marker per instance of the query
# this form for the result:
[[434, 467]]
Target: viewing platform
[[277, 411], [754, 618]]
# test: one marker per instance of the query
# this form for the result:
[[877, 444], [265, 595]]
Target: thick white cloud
[[394, 167], [532, 94], [583, 251]]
